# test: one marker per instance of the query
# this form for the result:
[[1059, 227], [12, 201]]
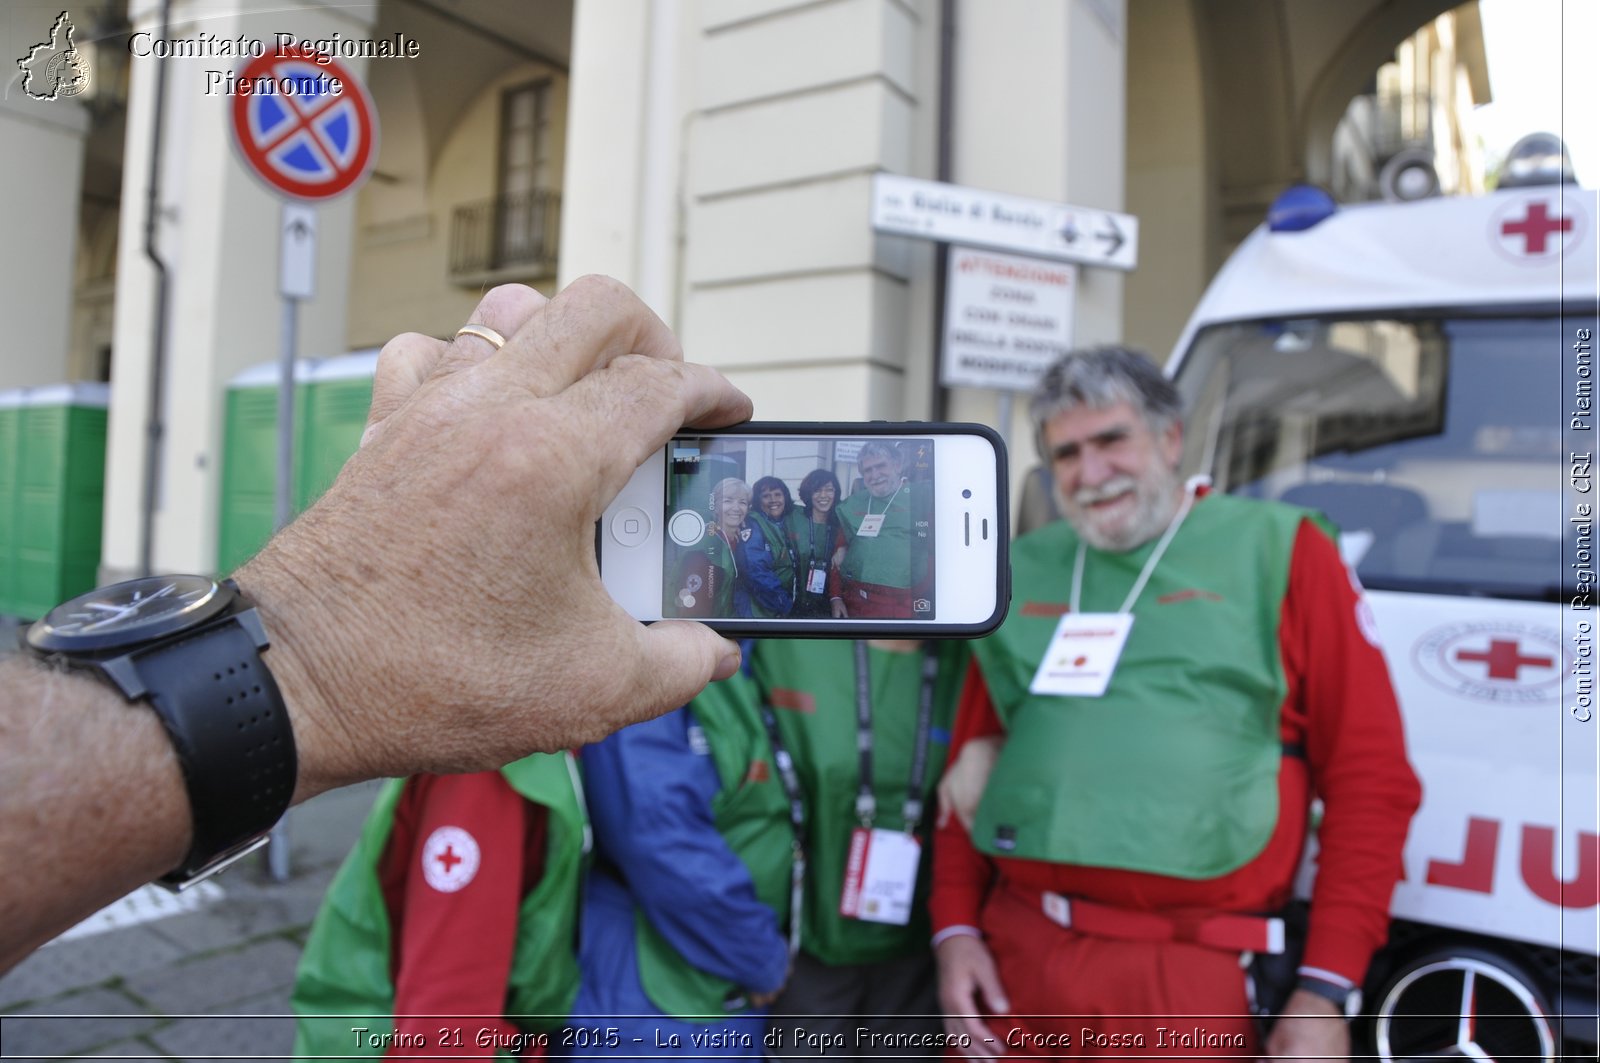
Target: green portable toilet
[[337, 400], [249, 494], [59, 492], [10, 424], [330, 405]]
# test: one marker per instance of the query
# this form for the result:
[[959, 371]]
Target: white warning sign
[[1006, 318]]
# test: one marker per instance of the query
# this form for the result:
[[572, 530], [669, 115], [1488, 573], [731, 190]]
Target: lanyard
[[866, 801], [733, 555], [797, 821], [892, 497], [583, 800], [1149, 566], [812, 558]]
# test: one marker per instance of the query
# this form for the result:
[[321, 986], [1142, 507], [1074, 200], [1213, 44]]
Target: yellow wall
[[400, 263]]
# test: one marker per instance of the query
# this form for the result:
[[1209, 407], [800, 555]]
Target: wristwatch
[[191, 647], [1346, 998]]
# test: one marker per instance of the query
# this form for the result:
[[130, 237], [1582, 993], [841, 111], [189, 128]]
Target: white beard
[[1155, 499]]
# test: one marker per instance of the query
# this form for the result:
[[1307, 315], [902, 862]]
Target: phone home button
[[631, 526]]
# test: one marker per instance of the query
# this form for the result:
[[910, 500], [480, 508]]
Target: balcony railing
[[505, 238]]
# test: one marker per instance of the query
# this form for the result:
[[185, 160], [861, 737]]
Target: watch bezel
[[43, 636]]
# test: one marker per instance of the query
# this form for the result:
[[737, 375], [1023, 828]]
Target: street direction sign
[[303, 124], [1007, 318], [297, 254], [933, 210]]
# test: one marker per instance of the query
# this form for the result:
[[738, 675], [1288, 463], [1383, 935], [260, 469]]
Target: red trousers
[[1077, 996], [877, 601]]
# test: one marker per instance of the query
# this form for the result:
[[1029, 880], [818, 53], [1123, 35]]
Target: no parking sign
[[307, 129], [303, 124]]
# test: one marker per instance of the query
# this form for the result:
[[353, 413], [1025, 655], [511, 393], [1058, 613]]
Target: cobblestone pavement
[[207, 983]]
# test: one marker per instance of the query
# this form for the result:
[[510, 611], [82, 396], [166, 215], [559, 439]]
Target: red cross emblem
[[1525, 230], [1534, 227], [450, 859], [1504, 659]]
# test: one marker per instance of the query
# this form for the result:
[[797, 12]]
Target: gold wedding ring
[[483, 332]]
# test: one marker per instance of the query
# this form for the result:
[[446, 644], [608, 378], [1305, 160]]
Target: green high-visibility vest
[[1174, 770], [752, 815], [821, 736], [345, 968], [898, 556]]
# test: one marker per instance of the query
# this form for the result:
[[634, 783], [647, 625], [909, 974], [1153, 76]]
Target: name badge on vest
[[871, 525], [880, 876], [817, 581], [1083, 655]]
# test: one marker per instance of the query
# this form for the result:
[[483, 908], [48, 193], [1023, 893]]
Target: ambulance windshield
[[1434, 443]]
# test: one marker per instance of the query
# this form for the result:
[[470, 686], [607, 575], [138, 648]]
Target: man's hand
[[1309, 1027], [440, 607], [968, 984], [839, 609], [961, 786]]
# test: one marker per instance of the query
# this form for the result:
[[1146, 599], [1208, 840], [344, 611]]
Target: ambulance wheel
[[1468, 1002]]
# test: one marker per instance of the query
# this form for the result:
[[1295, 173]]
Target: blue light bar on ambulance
[[1298, 208]]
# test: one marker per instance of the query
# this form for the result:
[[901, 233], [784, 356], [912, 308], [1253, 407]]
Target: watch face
[[125, 614]]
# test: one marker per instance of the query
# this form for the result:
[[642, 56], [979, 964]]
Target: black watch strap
[[1346, 998], [230, 730]]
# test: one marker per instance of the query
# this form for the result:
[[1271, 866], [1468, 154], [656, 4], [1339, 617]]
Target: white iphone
[[816, 530]]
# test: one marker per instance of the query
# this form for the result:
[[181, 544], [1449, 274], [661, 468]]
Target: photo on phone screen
[[815, 529], [783, 528]]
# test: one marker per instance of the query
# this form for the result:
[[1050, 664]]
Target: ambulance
[[1422, 372]]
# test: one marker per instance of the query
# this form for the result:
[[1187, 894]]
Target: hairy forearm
[[94, 801]]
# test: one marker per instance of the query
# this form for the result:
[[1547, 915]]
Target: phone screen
[[800, 527]]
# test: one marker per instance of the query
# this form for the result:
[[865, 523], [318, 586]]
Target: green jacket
[[345, 968], [812, 685]]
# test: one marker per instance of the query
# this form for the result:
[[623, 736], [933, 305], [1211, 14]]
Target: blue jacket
[[650, 788], [758, 583]]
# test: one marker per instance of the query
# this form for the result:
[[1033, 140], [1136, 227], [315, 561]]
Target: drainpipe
[[658, 194], [154, 429], [947, 93]]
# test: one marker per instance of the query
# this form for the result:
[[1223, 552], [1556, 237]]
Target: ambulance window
[[1434, 443]]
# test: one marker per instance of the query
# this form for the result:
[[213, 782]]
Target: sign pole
[[1007, 399], [297, 257], [278, 840]]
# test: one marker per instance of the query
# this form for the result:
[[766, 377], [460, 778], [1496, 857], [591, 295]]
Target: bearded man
[[884, 563], [1180, 674]]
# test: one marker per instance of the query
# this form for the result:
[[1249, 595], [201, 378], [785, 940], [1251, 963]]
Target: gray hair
[[1098, 377], [728, 485], [887, 450]]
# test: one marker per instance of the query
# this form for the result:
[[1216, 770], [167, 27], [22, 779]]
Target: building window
[[513, 235]]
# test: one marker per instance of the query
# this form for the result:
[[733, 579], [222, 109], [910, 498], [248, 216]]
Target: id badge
[[816, 581], [880, 876], [1083, 655], [871, 525]]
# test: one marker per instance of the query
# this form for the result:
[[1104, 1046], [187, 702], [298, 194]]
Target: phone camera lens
[[965, 493]]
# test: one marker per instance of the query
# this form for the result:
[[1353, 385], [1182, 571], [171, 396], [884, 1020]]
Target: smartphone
[[814, 529]]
